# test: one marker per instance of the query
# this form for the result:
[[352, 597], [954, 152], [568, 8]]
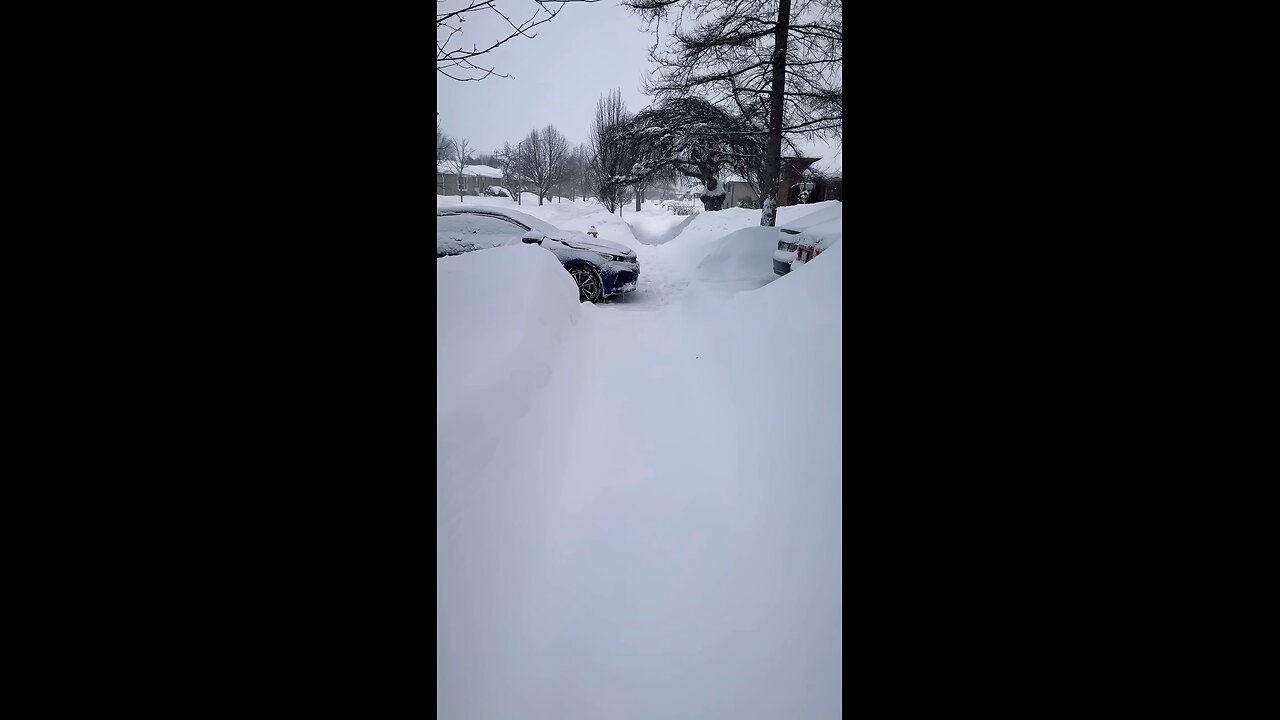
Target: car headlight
[[618, 258]]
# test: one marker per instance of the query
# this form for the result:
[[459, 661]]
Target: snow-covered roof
[[477, 170], [699, 190]]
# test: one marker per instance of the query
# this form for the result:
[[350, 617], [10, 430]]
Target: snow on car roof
[[816, 217], [822, 235], [527, 220]]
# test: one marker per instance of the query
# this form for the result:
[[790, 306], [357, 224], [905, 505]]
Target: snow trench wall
[[502, 316]]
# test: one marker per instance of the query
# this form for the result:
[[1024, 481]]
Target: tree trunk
[[773, 149], [710, 203], [639, 199]]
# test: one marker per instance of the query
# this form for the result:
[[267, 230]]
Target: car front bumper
[[620, 277]]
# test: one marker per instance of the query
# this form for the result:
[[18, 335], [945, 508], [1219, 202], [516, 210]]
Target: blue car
[[600, 268]]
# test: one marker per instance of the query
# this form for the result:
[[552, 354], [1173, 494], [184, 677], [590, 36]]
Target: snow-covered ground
[[670, 247], [639, 513]]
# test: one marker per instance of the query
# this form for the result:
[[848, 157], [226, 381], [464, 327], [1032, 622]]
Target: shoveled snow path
[[671, 530], [652, 527]]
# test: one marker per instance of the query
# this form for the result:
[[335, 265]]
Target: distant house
[[475, 178], [830, 188], [792, 173], [736, 190]]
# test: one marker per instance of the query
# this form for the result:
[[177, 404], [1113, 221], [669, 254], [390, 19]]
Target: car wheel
[[589, 286]]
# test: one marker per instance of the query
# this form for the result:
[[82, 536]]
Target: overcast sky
[[557, 77]]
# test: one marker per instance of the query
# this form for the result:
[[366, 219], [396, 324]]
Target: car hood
[[584, 241]]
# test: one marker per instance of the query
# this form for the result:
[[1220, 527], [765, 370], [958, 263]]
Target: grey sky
[[588, 49]]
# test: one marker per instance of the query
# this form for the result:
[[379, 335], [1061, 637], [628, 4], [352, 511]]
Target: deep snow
[[639, 513], [741, 260]]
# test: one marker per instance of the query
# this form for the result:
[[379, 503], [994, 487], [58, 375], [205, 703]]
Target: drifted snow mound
[[658, 229], [744, 255], [502, 316]]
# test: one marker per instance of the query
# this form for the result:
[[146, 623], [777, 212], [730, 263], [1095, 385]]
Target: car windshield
[[516, 216], [489, 216]]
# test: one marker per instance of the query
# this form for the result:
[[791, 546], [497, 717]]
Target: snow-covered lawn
[[639, 513]]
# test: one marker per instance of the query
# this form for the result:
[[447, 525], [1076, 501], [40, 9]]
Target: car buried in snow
[[600, 268], [806, 238]]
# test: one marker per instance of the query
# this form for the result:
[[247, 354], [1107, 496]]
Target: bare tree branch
[[738, 53], [449, 56]]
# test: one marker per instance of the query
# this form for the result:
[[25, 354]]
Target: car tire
[[590, 288]]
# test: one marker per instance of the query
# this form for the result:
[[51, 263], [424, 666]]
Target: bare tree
[[665, 180], [777, 62], [510, 162], [573, 183], [458, 160], [556, 155], [584, 169], [443, 143], [455, 61], [444, 146], [528, 158], [753, 170], [564, 188], [611, 160], [540, 158]]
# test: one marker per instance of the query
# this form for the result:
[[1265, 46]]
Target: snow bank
[[742, 256], [501, 316], [702, 235], [711, 226], [653, 229], [660, 534], [824, 212]]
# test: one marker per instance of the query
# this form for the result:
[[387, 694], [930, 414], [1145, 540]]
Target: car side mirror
[[532, 237]]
